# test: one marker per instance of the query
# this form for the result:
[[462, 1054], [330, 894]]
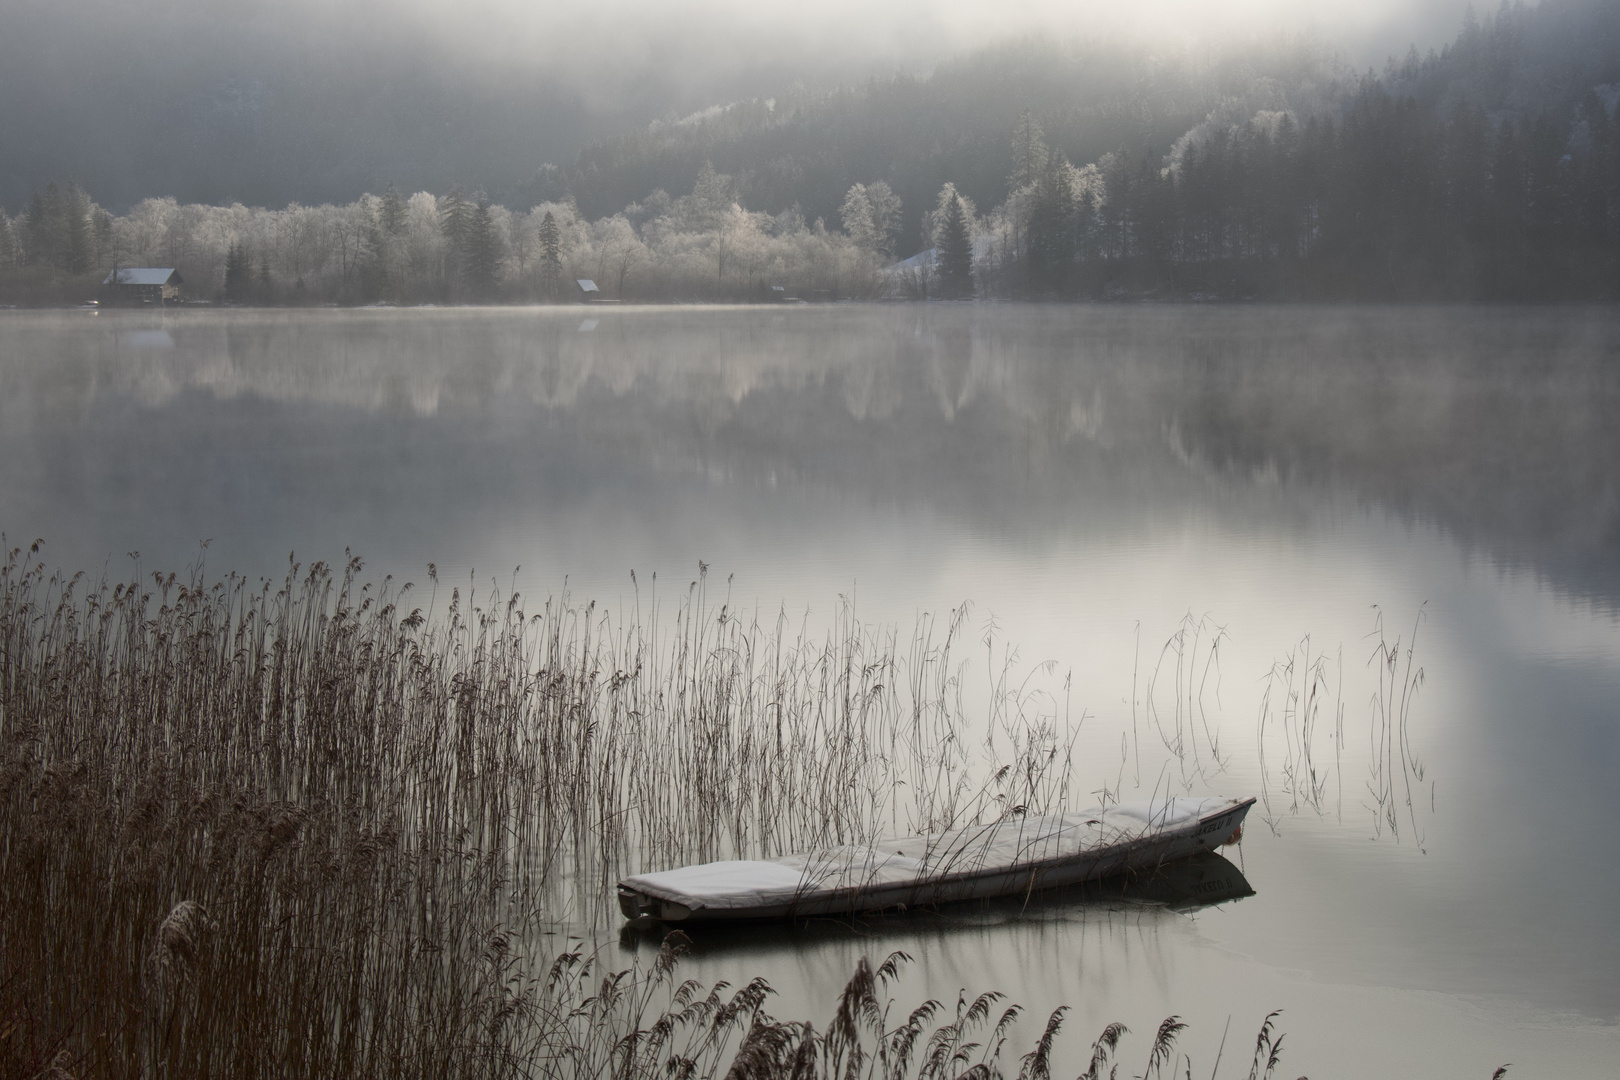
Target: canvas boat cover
[[965, 863]]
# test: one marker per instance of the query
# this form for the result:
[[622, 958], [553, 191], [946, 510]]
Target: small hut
[[142, 285]]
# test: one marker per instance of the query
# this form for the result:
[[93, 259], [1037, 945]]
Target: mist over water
[[1085, 478]]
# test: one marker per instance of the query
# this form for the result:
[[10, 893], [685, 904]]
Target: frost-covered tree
[[424, 255], [618, 250], [788, 222], [346, 253], [703, 210], [744, 241], [856, 214], [933, 222], [871, 217]]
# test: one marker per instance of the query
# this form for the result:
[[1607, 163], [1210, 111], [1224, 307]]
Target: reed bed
[[309, 829], [322, 827], [720, 1033]]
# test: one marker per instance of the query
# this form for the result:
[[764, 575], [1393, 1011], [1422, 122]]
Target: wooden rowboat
[[1014, 856]]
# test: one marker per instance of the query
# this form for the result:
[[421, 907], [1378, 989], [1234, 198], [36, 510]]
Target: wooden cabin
[[142, 285]]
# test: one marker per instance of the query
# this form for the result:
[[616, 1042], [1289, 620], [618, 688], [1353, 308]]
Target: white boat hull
[[1016, 856]]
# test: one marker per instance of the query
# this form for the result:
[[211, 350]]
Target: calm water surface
[[1090, 480]]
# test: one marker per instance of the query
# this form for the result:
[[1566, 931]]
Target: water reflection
[[1087, 476], [1495, 425]]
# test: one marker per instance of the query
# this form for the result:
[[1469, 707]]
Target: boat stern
[[638, 906]]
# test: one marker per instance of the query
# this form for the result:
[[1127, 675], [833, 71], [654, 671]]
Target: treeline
[[1486, 171], [64, 233], [1391, 201], [806, 146], [433, 249], [1489, 170], [1388, 201]]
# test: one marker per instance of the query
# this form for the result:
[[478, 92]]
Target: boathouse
[[142, 285]]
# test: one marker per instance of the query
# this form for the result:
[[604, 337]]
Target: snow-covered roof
[[586, 285], [142, 275], [923, 260]]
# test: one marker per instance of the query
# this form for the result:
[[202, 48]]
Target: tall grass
[[310, 829]]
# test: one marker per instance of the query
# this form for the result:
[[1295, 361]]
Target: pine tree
[[8, 243], [483, 251], [44, 246], [1028, 151], [551, 269], [391, 211], [1052, 226], [372, 262], [238, 272], [102, 238], [954, 256], [78, 241], [455, 222], [1509, 224]]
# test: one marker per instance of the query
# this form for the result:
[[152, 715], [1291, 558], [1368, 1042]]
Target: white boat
[[1014, 856]]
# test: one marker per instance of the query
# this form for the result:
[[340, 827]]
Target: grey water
[[1091, 481]]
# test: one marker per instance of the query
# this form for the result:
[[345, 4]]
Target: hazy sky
[[595, 42], [920, 30]]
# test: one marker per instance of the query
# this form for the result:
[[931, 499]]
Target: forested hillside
[[808, 147], [1486, 169]]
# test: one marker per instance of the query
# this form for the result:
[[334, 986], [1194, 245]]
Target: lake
[[1151, 512]]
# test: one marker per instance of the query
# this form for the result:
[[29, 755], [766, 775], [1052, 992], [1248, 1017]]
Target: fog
[[289, 100], [714, 41]]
